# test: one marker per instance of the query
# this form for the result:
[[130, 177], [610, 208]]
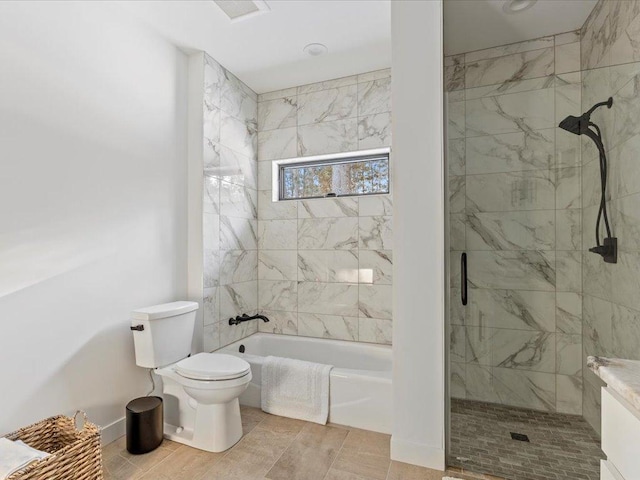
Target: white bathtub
[[360, 382]]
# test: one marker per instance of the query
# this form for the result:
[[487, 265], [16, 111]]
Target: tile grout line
[[283, 452], [388, 469], [337, 454], [227, 452]]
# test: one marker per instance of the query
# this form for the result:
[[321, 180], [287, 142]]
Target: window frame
[[278, 166]]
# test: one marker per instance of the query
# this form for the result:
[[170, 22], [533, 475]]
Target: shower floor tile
[[559, 447]]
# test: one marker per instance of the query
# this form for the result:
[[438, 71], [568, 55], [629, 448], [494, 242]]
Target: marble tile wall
[[610, 61], [230, 205], [515, 208], [324, 266]]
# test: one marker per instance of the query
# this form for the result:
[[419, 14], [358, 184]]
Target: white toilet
[[201, 391]]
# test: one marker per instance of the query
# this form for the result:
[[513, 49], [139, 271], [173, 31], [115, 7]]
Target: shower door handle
[[463, 278]]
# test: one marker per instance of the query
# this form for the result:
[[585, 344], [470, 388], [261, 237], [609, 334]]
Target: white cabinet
[[620, 438]]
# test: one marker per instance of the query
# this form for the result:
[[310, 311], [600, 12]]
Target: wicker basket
[[75, 454]]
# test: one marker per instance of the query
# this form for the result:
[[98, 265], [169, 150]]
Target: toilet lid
[[212, 366]]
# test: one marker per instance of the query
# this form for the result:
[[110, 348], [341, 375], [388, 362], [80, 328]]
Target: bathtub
[[359, 385]]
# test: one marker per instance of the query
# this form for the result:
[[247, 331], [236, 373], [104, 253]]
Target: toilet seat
[[212, 366]]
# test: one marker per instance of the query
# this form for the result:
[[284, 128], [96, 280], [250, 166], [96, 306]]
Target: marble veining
[[328, 266], [533, 230], [328, 233], [515, 208], [456, 156], [510, 152], [375, 205], [374, 131], [328, 207], [328, 105], [238, 297], [235, 168], [238, 201], [277, 144], [328, 137], [512, 309], [453, 77], [277, 234], [374, 97], [238, 233], [329, 84], [505, 50], [534, 351], [277, 113], [595, 36], [375, 301], [238, 266], [282, 323], [568, 312], [239, 135], [621, 375], [522, 270], [513, 191], [230, 205], [328, 326], [328, 247], [376, 233], [511, 87], [525, 111], [328, 298], [375, 330], [510, 68], [375, 266], [238, 101], [278, 295], [277, 265]]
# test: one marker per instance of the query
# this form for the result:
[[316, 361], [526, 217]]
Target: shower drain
[[521, 437]]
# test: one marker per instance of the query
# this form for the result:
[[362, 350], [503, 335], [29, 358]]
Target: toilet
[[200, 392]]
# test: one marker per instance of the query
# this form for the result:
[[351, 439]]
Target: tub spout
[[245, 318]]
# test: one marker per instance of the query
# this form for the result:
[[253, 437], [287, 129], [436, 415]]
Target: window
[[338, 175]]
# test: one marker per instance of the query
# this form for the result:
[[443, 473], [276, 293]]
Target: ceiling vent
[[238, 10]]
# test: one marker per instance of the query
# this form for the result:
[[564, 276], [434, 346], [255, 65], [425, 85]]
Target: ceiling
[[477, 24], [265, 51]]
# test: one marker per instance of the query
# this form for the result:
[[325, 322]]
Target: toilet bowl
[[208, 386], [200, 392]]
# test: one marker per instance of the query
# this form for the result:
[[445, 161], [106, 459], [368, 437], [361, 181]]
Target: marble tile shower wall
[[515, 208], [611, 67], [230, 205], [324, 266]]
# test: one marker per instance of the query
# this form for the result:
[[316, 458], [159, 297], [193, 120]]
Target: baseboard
[[417, 454], [113, 431]]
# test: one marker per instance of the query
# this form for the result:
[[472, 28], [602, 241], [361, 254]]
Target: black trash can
[[145, 421]]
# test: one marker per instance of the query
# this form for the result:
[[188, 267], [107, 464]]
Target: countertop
[[621, 375]]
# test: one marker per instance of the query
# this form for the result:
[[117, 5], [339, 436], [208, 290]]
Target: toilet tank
[[162, 334]]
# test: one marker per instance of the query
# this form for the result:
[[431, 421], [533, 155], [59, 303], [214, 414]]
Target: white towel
[[16, 455], [296, 389]]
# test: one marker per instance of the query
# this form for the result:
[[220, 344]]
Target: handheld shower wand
[[583, 125]]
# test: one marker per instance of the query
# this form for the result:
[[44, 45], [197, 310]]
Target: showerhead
[[571, 124], [580, 125]]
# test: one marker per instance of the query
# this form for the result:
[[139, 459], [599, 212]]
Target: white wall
[[92, 203], [418, 209]]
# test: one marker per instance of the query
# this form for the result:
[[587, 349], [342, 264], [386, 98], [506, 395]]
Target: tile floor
[[274, 448], [560, 447]]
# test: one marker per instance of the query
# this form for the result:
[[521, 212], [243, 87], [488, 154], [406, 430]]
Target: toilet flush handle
[[138, 328]]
